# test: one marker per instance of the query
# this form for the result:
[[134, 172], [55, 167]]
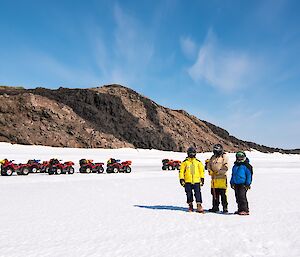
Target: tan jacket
[[217, 168]]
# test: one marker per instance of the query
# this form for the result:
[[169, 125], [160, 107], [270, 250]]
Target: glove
[[182, 182], [232, 186], [247, 187], [202, 182]]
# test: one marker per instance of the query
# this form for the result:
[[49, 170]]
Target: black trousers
[[189, 188], [219, 192], [241, 198]]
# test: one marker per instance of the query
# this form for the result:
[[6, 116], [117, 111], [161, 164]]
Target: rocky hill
[[111, 116]]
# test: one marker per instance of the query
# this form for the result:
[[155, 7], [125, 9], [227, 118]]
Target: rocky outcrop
[[111, 116]]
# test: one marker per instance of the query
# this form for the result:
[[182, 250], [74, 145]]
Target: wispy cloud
[[63, 72], [46, 70], [123, 54], [223, 68], [131, 39], [126, 58], [189, 47]]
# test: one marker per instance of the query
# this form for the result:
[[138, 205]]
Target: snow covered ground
[[143, 213]]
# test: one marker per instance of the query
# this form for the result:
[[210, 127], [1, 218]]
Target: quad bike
[[44, 167], [87, 166], [8, 168], [57, 167], [116, 166], [34, 166], [170, 164], [67, 167]]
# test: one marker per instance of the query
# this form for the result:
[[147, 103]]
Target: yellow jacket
[[217, 169], [191, 170]]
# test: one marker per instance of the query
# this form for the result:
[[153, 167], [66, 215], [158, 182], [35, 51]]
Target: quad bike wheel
[[71, 170], [25, 171], [128, 169], [100, 170], [88, 170], [115, 170], [34, 170], [169, 167], [58, 171], [8, 172]]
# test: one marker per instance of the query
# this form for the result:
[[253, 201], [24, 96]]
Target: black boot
[[214, 209], [225, 208], [215, 203]]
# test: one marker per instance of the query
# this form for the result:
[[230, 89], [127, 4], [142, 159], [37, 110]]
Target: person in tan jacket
[[217, 167]]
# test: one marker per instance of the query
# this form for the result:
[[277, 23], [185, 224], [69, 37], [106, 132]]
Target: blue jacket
[[241, 173]]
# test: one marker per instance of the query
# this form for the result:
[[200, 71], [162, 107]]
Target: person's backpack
[[249, 166]]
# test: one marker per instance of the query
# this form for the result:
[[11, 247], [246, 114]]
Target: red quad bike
[[87, 166], [44, 167], [8, 168], [116, 166], [34, 166], [170, 164], [57, 167], [68, 167]]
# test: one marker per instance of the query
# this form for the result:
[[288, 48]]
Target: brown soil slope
[[106, 117]]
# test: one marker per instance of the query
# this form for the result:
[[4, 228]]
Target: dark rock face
[[107, 117]]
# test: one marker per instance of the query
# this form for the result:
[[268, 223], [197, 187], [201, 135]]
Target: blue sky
[[233, 63]]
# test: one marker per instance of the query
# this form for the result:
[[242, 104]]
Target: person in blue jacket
[[241, 179]]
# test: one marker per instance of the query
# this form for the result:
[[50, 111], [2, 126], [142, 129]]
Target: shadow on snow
[[163, 207], [176, 208]]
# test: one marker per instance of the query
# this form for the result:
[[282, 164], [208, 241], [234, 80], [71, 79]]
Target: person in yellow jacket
[[217, 167], [191, 176]]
